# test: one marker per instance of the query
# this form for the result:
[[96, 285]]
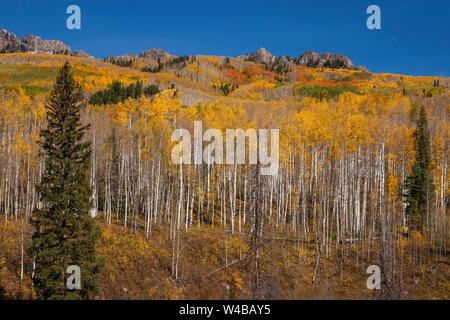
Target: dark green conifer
[[419, 184]]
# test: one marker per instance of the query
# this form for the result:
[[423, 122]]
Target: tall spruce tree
[[419, 184], [64, 233]]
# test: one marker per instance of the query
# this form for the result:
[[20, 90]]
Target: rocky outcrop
[[326, 60], [35, 44], [156, 54], [258, 57], [282, 64], [309, 58], [9, 42], [130, 56]]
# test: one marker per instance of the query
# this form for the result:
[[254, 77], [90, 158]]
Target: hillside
[[216, 77]]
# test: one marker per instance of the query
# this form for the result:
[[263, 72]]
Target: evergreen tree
[[64, 233], [418, 184]]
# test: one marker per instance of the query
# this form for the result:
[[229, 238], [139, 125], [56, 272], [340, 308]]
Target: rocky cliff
[[308, 58], [10, 43], [156, 54], [260, 56], [35, 44], [326, 60]]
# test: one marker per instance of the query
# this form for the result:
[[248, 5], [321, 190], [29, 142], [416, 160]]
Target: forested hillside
[[350, 148]]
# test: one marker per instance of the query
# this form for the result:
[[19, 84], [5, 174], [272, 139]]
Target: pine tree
[[418, 184], [64, 233]]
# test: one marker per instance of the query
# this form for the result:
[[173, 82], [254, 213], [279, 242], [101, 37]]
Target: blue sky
[[414, 37]]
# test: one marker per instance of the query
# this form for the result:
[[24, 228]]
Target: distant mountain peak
[[260, 56]]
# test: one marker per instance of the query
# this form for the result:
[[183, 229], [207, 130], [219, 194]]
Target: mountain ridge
[[10, 43]]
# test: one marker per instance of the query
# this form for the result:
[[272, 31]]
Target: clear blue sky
[[414, 39]]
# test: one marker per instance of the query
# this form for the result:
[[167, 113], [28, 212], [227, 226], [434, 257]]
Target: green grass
[[13, 76], [25, 73], [34, 90]]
